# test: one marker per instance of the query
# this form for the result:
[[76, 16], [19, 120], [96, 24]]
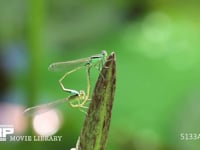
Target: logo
[[7, 134], [5, 130]]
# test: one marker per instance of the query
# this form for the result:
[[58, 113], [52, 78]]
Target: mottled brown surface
[[96, 126]]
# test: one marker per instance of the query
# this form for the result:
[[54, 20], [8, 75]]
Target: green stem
[[35, 26], [96, 126]]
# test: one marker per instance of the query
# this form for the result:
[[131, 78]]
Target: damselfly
[[75, 65], [75, 101], [79, 97]]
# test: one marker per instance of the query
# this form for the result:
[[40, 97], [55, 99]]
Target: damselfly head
[[51, 67], [104, 53], [82, 94]]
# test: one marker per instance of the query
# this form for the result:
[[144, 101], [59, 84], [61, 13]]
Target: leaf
[[96, 126]]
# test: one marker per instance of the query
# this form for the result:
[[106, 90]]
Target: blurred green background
[[158, 75]]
